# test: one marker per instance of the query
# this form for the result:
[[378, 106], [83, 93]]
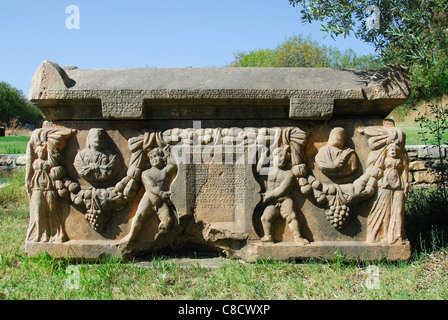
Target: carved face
[[281, 157], [96, 139], [392, 151], [337, 138], [41, 152], [157, 158]]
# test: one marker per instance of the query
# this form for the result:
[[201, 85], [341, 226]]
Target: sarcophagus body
[[257, 163]]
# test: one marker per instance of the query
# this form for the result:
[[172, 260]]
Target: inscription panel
[[122, 108], [220, 192], [311, 108]]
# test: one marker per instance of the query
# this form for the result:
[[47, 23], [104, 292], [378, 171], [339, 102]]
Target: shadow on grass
[[426, 220]]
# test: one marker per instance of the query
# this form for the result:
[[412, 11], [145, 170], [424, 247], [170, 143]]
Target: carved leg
[[165, 218], [39, 217], [269, 214], [144, 210], [288, 213], [396, 232]]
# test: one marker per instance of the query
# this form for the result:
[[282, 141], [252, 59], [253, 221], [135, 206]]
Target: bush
[[305, 53], [426, 220], [15, 107]]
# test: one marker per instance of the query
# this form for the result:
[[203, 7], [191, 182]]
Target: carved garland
[[337, 199], [98, 202]]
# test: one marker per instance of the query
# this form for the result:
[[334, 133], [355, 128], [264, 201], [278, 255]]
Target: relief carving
[[285, 166], [97, 163], [156, 199], [386, 218], [98, 203], [339, 212], [281, 170], [335, 159], [385, 175], [277, 200], [232, 189], [43, 167]]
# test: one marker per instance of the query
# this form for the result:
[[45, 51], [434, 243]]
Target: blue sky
[[145, 33]]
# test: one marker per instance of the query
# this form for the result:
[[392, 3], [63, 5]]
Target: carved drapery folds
[[289, 163], [277, 156], [335, 159], [97, 163], [44, 168], [388, 160]]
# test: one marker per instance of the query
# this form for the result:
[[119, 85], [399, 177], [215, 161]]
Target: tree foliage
[[14, 106], [298, 51], [412, 32]]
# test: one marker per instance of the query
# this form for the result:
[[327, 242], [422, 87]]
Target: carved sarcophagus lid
[[254, 162], [216, 93]]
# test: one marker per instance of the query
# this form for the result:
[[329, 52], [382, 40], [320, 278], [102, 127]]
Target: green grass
[[413, 134], [13, 144], [13, 193], [424, 276]]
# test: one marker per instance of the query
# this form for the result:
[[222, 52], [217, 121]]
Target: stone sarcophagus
[[257, 163]]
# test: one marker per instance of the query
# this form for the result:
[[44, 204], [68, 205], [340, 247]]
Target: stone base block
[[325, 250], [75, 249], [321, 250]]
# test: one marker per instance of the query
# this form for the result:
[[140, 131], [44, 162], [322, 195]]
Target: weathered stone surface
[[12, 161], [425, 177], [417, 166], [253, 162], [424, 163], [431, 152], [87, 250], [326, 250], [6, 160], [390, 82], [49, 75], [138, 93], [311, 108], [21, 160]]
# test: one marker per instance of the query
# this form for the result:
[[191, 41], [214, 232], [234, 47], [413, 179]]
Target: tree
[[412, 32], [297, 51], [14, 106]]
